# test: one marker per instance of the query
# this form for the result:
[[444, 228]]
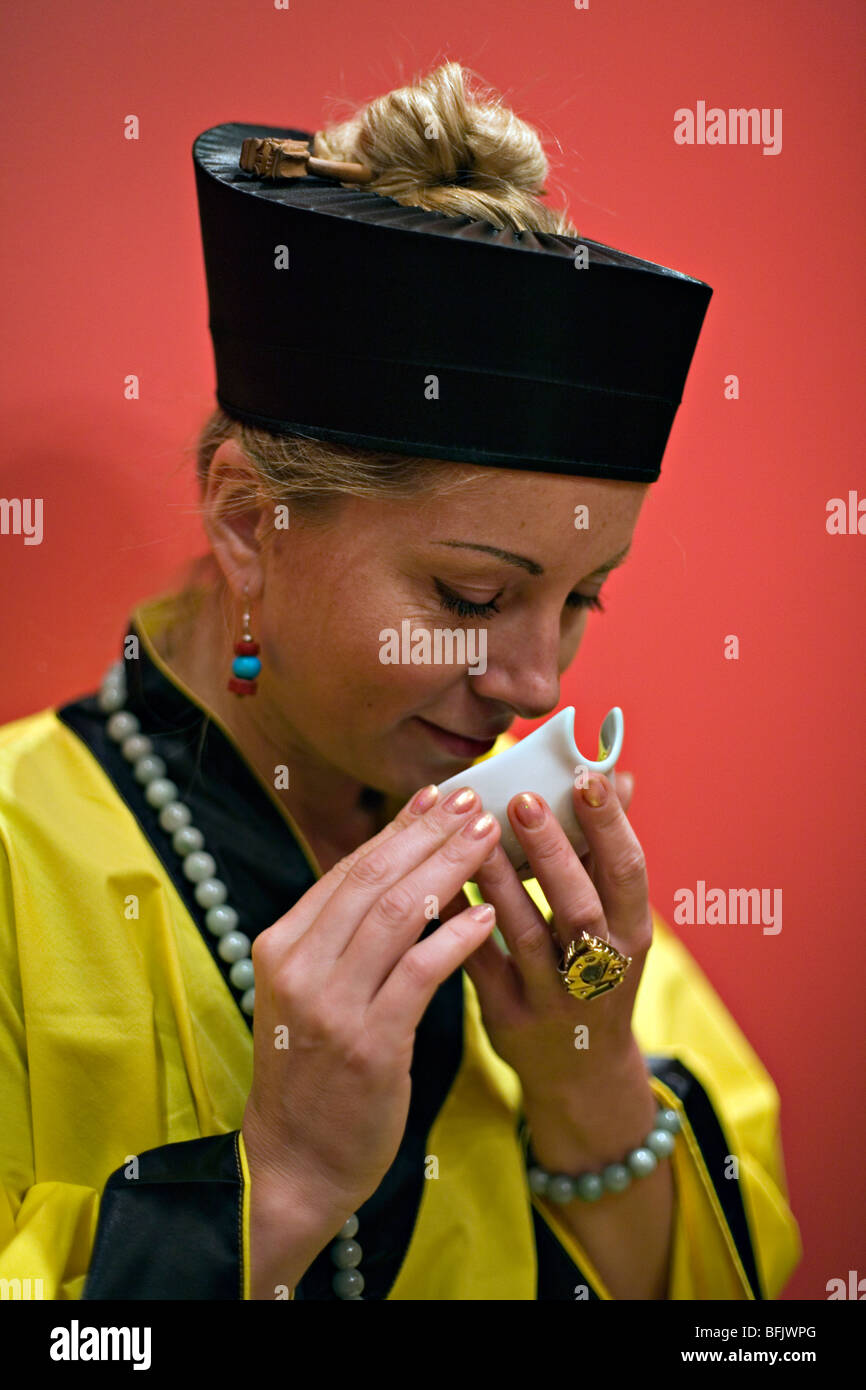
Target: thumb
[[624, 788]]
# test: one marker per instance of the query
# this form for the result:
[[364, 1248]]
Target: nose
[[523, 669]]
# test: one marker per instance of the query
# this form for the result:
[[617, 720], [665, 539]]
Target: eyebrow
[[533, 566]]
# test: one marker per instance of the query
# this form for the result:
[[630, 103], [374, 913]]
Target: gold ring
[[591, 966]]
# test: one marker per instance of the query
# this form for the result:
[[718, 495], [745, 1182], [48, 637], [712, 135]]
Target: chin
[[403, 769], [403, 779], [403, 783]]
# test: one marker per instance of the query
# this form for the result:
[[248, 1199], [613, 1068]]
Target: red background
[[748, 772]]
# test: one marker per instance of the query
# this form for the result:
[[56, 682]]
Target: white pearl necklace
[[175, 817], [221, 920]]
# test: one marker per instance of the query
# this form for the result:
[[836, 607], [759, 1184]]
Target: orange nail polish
[[479, 827], [423, 800], [595, 792], [529, 811]]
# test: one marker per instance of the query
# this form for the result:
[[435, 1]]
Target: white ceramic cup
[[546, 761]]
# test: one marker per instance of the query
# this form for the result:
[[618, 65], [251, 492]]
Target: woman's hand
[[341, 984], [571, 1075]]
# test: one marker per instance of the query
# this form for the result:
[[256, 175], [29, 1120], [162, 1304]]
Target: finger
[[298, 918], [397, 917], [497, 982], [562, 878], [621, 874], [524, 929], [399, 1004], [271, 945], [373, 869], [458, 903], [588, 862], [624, 788]]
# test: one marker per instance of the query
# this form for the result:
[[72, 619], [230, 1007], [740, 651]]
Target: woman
[[438, 408]]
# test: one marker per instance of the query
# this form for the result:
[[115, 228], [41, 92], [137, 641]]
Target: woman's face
[[341, 610]]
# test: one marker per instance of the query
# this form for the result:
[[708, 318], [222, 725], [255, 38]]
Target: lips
[[477, 738], [460, 745]]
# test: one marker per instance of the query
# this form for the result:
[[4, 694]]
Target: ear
[[235, 518]]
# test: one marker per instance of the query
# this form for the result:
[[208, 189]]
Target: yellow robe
[[125, 1063]]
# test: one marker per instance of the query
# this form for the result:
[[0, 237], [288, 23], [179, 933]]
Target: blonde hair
[[445, 143], [449, 144]]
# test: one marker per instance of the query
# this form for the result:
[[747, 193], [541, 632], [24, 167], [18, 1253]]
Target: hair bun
[[437, 145]]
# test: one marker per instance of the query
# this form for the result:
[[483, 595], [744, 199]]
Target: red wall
[[749, 772]]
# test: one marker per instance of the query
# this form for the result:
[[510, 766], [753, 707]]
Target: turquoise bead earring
[[246, 665]]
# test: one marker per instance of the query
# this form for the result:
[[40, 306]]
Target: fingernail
[[595, 792], [460, 800], [479, 827], [423, 800], [529, 811], [483, 912]]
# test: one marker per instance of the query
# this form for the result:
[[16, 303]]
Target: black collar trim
[[716, 1151]]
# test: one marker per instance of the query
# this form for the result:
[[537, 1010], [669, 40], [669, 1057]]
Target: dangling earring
[[246, 665]]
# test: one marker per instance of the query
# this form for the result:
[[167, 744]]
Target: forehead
[[566, 526], [498, 505]]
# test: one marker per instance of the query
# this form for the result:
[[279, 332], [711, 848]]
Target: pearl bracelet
[[615, 1177]]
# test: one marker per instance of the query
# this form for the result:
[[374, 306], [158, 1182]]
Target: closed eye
[[465, 608]]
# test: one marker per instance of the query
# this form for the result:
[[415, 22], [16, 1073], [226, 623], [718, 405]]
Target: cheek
[[325, 646], [572, 637]]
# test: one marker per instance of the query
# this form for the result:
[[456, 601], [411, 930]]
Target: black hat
[[341, 314]]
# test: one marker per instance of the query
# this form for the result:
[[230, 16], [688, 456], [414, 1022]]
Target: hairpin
[[293, 159]]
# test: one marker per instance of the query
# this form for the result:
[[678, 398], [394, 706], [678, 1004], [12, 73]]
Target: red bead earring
[[246, 665]]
